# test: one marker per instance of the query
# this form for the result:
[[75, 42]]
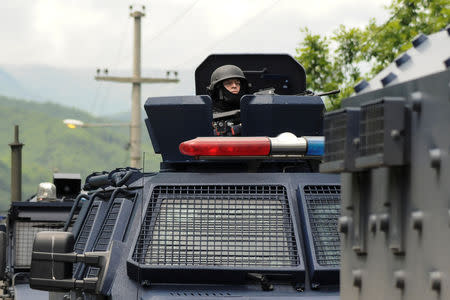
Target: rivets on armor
[[435, 281], [399, 278], [300, 287], [357, 278], [395, 134], [145, 283], [384, 222], [388, 79], [447, 63], [343, 224], [416, 100], [402, 59], [360, 86], [373, 223], [419, 39], [435, 158], [417, 220]]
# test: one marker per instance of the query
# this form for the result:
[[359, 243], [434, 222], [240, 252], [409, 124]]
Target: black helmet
[[226, 72], [223, 100]]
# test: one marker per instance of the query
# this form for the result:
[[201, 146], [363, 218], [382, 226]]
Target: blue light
[[316, 145]]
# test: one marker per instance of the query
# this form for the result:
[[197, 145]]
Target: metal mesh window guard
[[372, 129], [323, 204], [24, 234], [102, 242], [104, 237], [217, 226], [86, 229], [83, 235], [335, 132]]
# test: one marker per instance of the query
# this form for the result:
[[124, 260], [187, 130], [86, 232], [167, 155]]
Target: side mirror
[[49, 242], [52, 262]]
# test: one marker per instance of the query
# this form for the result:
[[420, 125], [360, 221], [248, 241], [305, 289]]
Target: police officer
[[228, 85]]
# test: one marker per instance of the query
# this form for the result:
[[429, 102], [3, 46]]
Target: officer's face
[[233, 85]]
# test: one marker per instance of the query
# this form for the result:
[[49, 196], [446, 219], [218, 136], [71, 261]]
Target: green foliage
[[407, 19], [50, 146], [321, 70], [340, 57], [315, 56]]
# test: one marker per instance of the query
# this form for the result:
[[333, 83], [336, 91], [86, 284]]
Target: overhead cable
[[215, 43]]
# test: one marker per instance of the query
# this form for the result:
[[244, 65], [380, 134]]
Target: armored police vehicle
[[50, 209], [391, 144], [244, 217]]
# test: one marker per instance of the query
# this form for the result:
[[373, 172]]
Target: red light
[[226, 146]]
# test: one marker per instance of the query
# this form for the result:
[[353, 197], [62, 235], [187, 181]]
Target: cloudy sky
[[176, 34]]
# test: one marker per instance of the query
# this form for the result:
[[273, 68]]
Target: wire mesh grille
[[83, 236], [335, 130], [24, 234], [104, 237], [217, 226], [372, 129], [323, 204], [102, 242]]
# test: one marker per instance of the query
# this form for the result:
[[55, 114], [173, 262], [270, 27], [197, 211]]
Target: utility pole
[[16, 167], [136, 80]]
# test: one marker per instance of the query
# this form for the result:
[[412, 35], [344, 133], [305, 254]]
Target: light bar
[[226, 146], [284, 145], [316, 145]]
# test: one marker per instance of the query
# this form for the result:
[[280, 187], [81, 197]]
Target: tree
[[322, 72], [375, 45]]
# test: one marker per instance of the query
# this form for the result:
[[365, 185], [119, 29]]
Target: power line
[[98, 96], [115, 65], [215, 43], [136, 80], [123, 34], [175, 21]]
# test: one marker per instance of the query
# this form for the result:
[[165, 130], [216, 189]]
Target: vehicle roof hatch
[[263, 71]]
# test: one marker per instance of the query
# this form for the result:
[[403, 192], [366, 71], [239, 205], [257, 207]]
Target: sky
[[176, 34]]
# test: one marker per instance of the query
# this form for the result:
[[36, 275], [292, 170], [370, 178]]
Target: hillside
[[78, 87], [11, 86], [51, 146]]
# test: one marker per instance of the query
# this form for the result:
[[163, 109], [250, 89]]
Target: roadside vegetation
[[352, 54]]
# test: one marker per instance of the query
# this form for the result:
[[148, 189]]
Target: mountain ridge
[[78, 88], [49, 146]]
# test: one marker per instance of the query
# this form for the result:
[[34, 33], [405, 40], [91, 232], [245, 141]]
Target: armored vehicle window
[[220, 227]]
